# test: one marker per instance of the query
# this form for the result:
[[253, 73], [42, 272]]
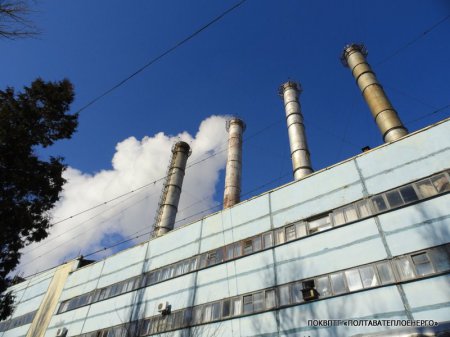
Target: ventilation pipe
[[390, 125], [300, 156], [170, 196], [232, 193]]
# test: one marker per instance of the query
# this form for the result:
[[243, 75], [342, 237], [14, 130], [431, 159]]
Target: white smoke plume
[[135, 163]]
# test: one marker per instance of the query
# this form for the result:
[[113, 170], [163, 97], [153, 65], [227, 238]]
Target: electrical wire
[[414, 40], [163, 54], [445, 107]]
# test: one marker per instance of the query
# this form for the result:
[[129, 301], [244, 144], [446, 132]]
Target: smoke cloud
[[136, 163]]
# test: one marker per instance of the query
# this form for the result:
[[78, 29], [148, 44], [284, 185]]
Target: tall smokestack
[[390, 125], [170, 196], [300, 156], [232, 193]]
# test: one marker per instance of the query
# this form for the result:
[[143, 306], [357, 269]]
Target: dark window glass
[[441, 183], [145, 328], [248, 304], [385, 272], [379, 203], [230, 252], [441, 258], [197, 315], [290, 233], [409, 194], [267, 240], [194, 262], [422, 264], [237, 249], [212, 258], [338, 283], [203, 259], [394, 198], [215, 314], [219, 255], [226, 309], [179, 269]]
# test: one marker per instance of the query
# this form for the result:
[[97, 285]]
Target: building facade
[[357, 249]]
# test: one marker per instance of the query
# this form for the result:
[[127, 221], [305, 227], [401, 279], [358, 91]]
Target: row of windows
[[422, 189], [17, 321], [402, 268]]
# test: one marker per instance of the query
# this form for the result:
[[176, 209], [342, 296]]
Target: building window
[[408, 194], [270, 299], [426, 189], [379, 203], [404, 268], [364, 209], [385, 272], [230, 252], [338, 283], [267, 240], [215, 314], [248, 304], [284, 295], [290, 233], [422, 264], [297, 295], [258, 301], [237, 306], [323, 286], [368, 276], [226, 308], [338, 217], [279, 236], [394, 198], [256, 243], [248, 247], [237, 249], [319, 224], [441, 183], [441, 258], [353, 280], [300, 228]]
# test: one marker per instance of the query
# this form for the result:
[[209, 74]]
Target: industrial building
[[360, 248]]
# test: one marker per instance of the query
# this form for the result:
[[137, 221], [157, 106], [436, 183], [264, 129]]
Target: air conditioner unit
[[61, 332], [164, 308]]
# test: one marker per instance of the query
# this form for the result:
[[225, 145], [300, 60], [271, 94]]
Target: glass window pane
[[404, 268], [353, 280], [267, 239], [279, 236], [248, 247], [230, 252], [394, 198], [219, 255], [385, 272], [422, 264], [290, 233], [338, 217], [441, 258], [338, 283], [211, 259], [426, 189], [284, 295], [203, 260], [368, 276], [297, 295], [409, 194], [248, 304], [364, 209], [323, 286], [320, 224], [441, 183], [237, 307], [350, 213], [256, 243], [379, 203], [270, 299], [226, 308], [237, 249], [197, 315], [258, 301], [207, 311], [194, 262], [301, 229], [215, 311]]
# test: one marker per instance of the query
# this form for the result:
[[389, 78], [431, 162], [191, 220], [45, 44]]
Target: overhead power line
[[414, 40], [434, 112], [163, 54]]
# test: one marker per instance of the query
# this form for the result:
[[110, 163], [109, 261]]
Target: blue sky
[[234, 67]]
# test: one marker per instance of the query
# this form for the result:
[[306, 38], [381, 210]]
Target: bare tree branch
[[14, 21]]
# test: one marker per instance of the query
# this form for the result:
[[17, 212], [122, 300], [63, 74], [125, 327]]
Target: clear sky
[[233, 68]]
